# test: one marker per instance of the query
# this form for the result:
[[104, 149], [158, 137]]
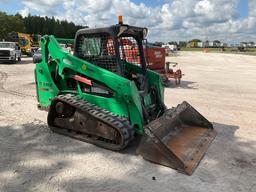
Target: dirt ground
[[220, 86]]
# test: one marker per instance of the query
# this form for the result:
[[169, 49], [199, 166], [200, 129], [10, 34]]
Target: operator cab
[[112, 48]]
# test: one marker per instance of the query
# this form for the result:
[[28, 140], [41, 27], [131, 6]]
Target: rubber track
[[121, 124]]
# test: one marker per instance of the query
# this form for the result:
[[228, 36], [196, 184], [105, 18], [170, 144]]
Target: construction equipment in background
[[27, 42], [155, 58], [99, 96], [35, 41], [23, 40]]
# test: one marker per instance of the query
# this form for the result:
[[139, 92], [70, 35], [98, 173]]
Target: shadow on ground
[[184, 85], [228, 165]]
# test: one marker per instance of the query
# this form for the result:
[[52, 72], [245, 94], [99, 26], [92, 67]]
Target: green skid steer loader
[[99, 96]]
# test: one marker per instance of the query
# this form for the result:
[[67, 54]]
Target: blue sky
[[151, 3], [166, 19], [243, 8]]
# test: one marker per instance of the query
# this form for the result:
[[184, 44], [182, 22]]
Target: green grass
[[249, 51]]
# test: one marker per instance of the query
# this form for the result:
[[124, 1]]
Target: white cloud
[[24, 12], [204, 7], [174, 20], [43, 6], [252, 8]]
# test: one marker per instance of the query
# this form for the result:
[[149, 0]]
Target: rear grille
[[4, 53]]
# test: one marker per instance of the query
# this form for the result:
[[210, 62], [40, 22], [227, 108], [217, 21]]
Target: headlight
[[12, 52]]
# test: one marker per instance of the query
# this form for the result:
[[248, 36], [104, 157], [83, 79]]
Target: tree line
[[37, 25]]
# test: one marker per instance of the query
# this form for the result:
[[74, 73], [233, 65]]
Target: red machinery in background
[[155, 58]]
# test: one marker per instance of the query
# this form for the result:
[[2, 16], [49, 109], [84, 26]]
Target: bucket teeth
[[178, 139]]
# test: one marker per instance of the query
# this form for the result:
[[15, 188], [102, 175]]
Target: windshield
[[99, 49], [7, 45]]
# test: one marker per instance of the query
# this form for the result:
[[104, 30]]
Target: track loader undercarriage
[[70, 115]]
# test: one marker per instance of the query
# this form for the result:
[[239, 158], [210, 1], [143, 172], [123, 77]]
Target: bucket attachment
[[178, 139]]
